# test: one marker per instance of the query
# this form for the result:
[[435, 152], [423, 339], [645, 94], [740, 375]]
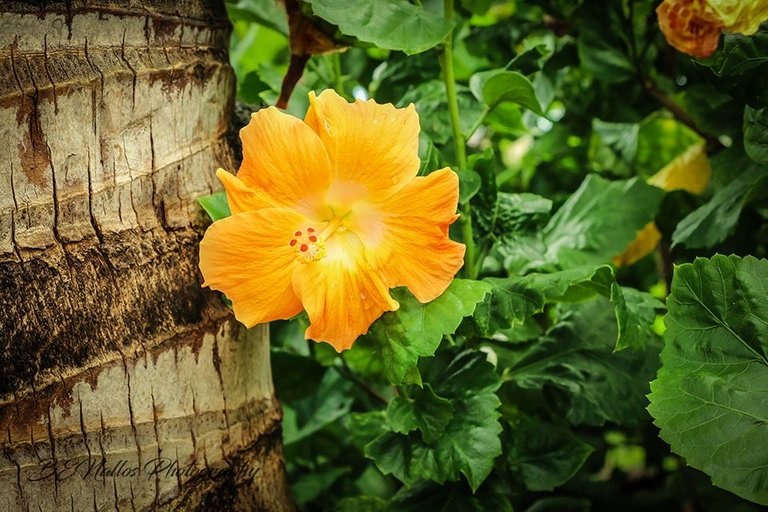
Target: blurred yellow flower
[[689, 171]]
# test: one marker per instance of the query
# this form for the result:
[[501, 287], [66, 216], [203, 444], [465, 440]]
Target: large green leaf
[[514, 299], [424, 410], [544, 456], [577, 364], [596, 223], [599, 220], [711, 395], [415, 329], [756, 134], [394, 24], [470, 440], [713, 222]]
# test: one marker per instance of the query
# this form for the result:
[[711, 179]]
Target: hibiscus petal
[[406, 236], [248, 257], [283, 157], [241, 197], [341, 293], [370, 145]]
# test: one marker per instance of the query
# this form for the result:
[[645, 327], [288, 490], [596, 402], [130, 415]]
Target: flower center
[[308, 245]]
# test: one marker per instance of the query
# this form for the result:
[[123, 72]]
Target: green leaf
[[470, 440], [415, 329], [393, 25], [215, 205], [449, 497], [543, 455], [741, 67], [599, 220], [362, 504], [263, 12], [429, 155], [756, 134], [590, 382], [499, 86], [364, 427], [710, 398], [511, 301], [514, 299], [642, 149], [476, 6], [712, 223], [250, 88], [602, 52], [516, 213], [635, 314], [613, 147], [314, 484], [424, 410], [434, 116], [572, 285], [661, 139], [560, 504], [331, 401], [469, 184], [295, 376]]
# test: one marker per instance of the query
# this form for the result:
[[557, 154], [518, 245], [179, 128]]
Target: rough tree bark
[[123, 384]]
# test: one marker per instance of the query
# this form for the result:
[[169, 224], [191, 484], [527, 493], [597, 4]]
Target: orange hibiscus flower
[[328, 215], [690, 26], [694, 26]]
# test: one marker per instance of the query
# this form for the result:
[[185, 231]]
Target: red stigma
[[303, 247]]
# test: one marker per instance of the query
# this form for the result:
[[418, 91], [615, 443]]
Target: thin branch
[[349, 374], [713, 143]]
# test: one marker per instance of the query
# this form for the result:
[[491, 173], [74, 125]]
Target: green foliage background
[[544, 378]]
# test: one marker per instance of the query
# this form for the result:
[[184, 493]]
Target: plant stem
[[446, 64], [477, 123], [347, 372], [681, 115], [338, 77]]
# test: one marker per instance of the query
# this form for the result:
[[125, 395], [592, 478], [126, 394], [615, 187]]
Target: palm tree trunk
[[123, 384]]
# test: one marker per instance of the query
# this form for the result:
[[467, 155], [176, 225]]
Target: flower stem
[[347, 372], [337, 76], [446, 64]]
